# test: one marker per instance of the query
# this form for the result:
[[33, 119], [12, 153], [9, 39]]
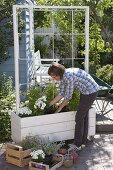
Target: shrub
[[106, 73], [51, 148], [93, 67], [6, 85], [74, 101], [7, 100], [31, 142], [38, 99], [32, 95]]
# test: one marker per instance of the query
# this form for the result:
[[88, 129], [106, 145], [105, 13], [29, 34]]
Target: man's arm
[[64, 103], [55, 100]]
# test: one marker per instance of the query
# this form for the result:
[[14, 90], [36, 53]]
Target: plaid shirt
[[75, 78]]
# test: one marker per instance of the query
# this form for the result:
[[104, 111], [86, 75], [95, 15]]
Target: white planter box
[[57, 126]]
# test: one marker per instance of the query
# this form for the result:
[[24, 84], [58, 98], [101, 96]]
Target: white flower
[[4, 111], [26, 102], [43, 106], [14, 105], [43, 98], [25, 110], [37, 153], [40, 103], [35, 106]]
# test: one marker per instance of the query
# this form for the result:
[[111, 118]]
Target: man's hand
[[63, 104], [55, 100]]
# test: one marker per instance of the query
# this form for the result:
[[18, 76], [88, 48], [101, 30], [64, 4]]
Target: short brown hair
[[56, 69]]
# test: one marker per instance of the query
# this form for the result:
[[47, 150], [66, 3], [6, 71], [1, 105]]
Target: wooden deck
[[98, 155], [104, 120]]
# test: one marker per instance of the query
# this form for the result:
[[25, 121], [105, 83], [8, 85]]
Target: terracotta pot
[[62, 151]]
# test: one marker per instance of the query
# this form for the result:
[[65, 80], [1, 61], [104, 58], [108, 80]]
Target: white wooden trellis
[[16, 38]]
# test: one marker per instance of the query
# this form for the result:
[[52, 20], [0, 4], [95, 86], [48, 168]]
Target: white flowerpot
[[57, 126]]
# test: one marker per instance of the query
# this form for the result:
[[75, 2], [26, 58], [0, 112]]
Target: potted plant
[[62, 151], [43, 153], [50, 149], [31, 142], [38, 156], [39, 122], [37, 100]]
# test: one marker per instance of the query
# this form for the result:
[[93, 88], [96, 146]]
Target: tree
[[6, 33], [101, 24], [62, 19], [101, 12], [6, 27]]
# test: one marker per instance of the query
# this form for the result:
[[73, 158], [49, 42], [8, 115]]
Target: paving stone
[[108, 166], [99, 167], [96, 160], [81, 167], [96, 156], [62, 168]]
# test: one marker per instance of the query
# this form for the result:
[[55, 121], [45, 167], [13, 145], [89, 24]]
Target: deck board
[[104, 121]]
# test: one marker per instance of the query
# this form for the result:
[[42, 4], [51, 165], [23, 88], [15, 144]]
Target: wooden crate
[[58, 161], [15, 155]]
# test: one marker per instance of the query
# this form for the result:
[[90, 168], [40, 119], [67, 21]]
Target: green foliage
[[43, 48], [6, 85], [51, 91], [36, 92], [6, 27], [33, 94], [5, 126], [62, 46], [106, 74], [7, 100], [63, 21], [73, 103], [6, 33], [42, 18], [51, 148], [35, 143], [93, 67], [31, 142], [101, 24]]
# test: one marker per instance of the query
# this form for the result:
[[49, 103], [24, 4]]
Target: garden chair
[[41, 67], [105, 95]]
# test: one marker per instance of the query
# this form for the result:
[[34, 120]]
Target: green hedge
[[7, 100], [106, 73]]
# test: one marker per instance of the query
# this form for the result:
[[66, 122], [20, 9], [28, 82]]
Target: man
[[69, 80]]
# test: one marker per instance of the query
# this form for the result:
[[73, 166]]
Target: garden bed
[[57, 126]]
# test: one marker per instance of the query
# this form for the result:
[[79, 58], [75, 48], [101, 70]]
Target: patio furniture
[[41, 66], [105, 95]]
